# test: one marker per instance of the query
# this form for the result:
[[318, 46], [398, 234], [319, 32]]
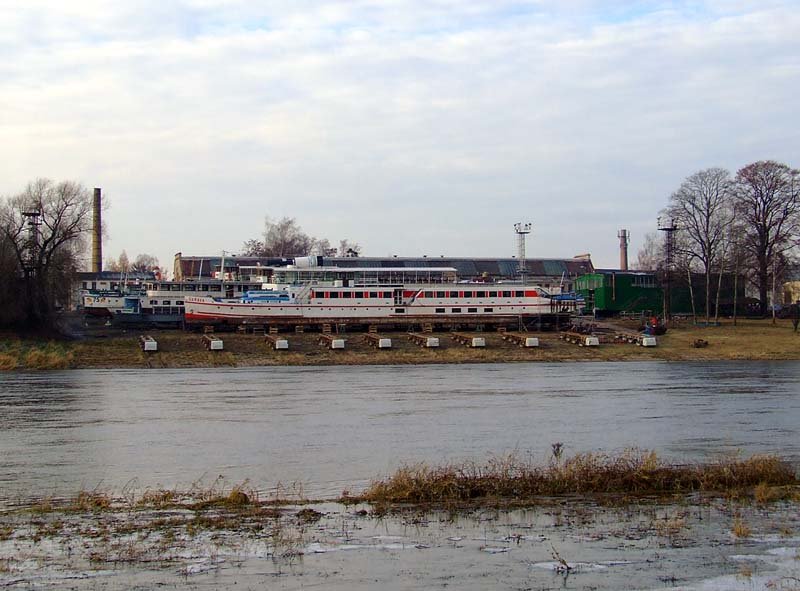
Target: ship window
[[399, 311], [488, 309], [179, 302], [85, 285], [176, 287], [214, 288], [472, 310], [94, 284], [506, 294], [334, 295], [492, 294], [452, 294], [189, 288], [455, 310], [166, 302], [440, 310], [373, 294], [358, 294], [387, 294], [440, 294], [153, 302], [519, 294], [480, 294], [467, 294], [428, 294], [347, 294]]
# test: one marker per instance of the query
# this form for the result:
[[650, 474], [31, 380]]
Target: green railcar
[[609, 293]]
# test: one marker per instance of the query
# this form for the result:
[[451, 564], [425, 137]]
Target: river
[[325, 429]]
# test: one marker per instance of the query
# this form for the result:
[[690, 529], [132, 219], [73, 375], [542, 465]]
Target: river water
[[326, 429]]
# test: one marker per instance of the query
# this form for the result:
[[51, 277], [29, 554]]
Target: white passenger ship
[[399, 295]]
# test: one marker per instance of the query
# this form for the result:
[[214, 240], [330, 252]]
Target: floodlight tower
[[522, 229], [669, 229], [33, 219]]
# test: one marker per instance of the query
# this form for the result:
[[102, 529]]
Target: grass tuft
[[8, 362], [91, 501], [740, 529], [633, 472]]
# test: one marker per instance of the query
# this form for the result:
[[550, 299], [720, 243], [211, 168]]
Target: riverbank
[[749, 340]]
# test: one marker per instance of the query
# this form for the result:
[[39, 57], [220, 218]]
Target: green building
[[609, 292], [613, 292]]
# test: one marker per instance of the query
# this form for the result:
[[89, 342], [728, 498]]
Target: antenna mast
[[522, 229]]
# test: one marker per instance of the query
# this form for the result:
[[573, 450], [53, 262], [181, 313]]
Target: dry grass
[[23, 354], [91, 501], [8, 362], [740, 529], [634, 473]]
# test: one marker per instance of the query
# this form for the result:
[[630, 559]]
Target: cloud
[[408, 126]]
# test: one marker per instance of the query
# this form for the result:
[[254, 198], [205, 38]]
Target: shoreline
[[751, 340]]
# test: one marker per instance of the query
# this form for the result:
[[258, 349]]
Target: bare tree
[[144, 263], [651, 254], [349, 249], [285, 238], [702, 210], [46, 255], [253, 248], [767, 203]]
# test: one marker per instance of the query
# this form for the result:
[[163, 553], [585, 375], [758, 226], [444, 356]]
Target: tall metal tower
[[522, 229], [669, 229], [33, 219]]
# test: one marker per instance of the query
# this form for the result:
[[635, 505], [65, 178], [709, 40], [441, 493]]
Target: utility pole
[[669, 230]]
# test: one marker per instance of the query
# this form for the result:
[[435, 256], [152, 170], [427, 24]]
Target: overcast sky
[[410, 126]]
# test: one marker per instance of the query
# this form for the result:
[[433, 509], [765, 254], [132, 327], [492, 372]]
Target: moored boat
[[318, 295]]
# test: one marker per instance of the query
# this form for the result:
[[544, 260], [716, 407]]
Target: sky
[[413, 127]]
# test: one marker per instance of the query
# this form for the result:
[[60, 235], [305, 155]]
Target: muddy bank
[[753, 340]]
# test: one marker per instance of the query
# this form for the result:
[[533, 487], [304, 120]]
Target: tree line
[[285, 238], [747, 223]]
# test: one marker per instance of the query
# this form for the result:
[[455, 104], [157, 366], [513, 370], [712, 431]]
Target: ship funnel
[[624, 237], [97, 232]]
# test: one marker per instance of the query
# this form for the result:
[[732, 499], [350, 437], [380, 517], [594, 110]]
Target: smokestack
[[97, 233], [624, 237]]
